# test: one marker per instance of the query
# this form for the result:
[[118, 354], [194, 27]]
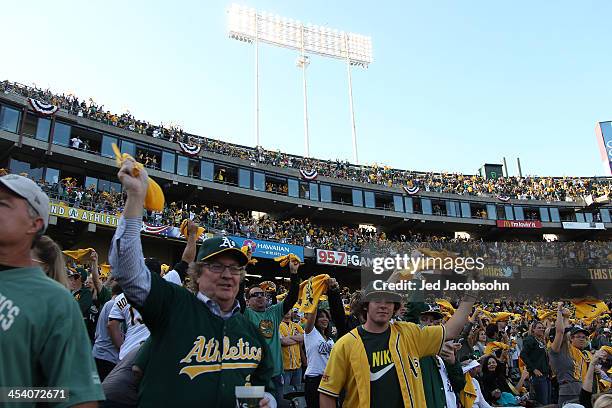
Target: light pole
[[302, 62], [248, 25]]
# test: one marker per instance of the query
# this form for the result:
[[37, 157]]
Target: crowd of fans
[[203, 330], [526, 188]]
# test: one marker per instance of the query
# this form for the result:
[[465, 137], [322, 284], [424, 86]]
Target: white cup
[[249, 397]]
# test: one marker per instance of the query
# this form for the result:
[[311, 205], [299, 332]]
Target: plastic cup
[[249, 397]]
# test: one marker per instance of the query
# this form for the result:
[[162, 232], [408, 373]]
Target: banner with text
[[518, 224], [333, 258], [268, 249], [112, 220]]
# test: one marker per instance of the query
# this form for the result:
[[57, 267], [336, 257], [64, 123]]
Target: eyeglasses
[[257, 294], [219, 268]]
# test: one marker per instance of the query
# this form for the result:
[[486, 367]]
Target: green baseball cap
[[80, 272], [212, 247]]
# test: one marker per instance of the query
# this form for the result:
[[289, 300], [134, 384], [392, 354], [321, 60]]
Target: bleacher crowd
[[526, 188], [137, 333]]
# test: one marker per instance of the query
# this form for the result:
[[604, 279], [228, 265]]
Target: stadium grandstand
[[332, 215]]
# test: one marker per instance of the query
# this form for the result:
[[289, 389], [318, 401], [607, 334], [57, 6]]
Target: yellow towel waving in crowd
[[154, 200]]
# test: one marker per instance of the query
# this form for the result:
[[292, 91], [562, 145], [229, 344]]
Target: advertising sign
[[268, 249]]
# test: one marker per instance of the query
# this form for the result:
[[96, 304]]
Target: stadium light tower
[[248, 25]]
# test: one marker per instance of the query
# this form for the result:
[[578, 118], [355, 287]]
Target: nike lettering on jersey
[[378, 375]]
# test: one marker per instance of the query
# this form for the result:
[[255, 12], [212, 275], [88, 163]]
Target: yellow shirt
[[581, 362], [348, 368], [291, 354]]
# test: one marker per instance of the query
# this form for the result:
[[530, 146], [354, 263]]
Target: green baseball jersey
[[43, 340], [268, 322], [84, 298], [196, 358]]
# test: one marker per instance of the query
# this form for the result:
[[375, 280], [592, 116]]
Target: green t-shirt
[[196, 358], [104, 296], [84, 298], [268, 322], [43, 341], [385, 389]]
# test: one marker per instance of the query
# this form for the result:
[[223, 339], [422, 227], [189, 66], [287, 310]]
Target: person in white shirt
[[122, 311], [76, 142], [473, 367], [318, 344]]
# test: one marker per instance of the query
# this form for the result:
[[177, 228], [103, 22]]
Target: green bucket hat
[[221, 245]]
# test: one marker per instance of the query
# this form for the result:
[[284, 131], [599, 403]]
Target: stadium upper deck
[[544, 188], [55, 147]]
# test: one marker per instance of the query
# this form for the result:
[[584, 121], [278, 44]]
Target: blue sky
[[454, 84]]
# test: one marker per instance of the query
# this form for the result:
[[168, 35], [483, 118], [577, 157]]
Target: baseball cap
[[434, 310], [370, 293], [80, 272], [467, 365], [218, 245], [578, 329], [29, 191]]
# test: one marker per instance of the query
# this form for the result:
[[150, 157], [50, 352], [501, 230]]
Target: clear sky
[[454, 84]]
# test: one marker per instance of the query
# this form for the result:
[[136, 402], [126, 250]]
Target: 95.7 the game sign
[[335, 258]]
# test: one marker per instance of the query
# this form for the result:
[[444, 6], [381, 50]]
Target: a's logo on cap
[[227, 243]]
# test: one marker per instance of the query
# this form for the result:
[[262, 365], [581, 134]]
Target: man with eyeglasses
[[43, 338], [268, 320], [201, 346]]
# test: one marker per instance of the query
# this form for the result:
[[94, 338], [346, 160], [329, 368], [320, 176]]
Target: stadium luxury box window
[[9, 118], [61, 134], [207, 170], [107, 146]]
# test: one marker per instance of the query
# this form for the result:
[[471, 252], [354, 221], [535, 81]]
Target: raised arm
[[294, 288], [95, 274], [189, 253], [559, 329], [310, 321], [455, 324], [126, 256], [336, 308]]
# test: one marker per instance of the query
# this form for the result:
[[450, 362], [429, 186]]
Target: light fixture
[[248, 25]]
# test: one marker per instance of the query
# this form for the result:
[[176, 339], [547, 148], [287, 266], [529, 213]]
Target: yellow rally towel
[[607, 349], [486, 313], [468, 395], [311, 291], [185, 233], [501, 316], [546, 314], [589, 309], [247, 251], [268, 286], [285, 259], [446, 306], [79, 254], [154, 200], [495, 345], [105, 270]]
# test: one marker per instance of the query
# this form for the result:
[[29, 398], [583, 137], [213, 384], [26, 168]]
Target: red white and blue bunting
[[42, 107], [412, 190], [309, 175], [503, 198], [155, 229], [192, 150]]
